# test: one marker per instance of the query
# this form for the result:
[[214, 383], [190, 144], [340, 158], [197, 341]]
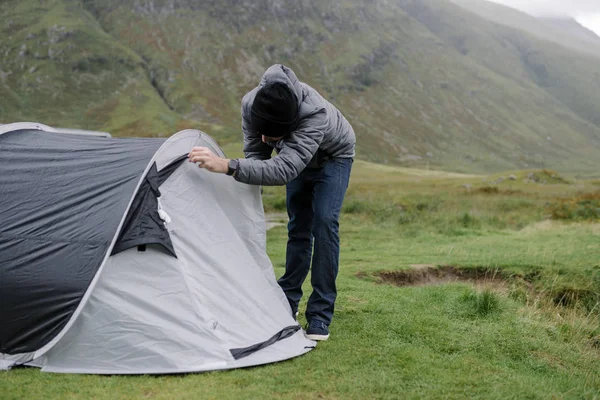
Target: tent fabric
[[216, 306], [61, 199], [184, 314], [143, 224]]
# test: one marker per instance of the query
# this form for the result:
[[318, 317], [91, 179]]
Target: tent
[[118, 256]]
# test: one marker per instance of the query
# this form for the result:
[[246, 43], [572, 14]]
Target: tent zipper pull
[[162, 213]]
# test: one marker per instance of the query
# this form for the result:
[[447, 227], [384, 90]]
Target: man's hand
[[208, 160]]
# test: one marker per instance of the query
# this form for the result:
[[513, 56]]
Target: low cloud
[[572, 8]]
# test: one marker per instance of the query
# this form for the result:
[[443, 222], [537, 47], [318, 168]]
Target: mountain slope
[[574, 29], [423, 82], [565, 32], [59, 66]]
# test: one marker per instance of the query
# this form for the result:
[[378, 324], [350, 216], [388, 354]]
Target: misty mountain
[[573, 28], [424, 82], [564, 31]]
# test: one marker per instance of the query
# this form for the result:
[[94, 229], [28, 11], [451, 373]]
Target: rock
[[410, 157], [57, 34], [512, 177], [533, 177], [467, 187], [4, 75], [429, 154], [33, 69], [53, 53]]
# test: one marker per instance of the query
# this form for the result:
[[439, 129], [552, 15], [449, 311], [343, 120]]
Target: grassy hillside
[[446, 291], [565, 32], [59, 66], [425, 83]]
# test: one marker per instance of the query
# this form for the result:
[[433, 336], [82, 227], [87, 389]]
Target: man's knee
[[299, 234], [325, 226]]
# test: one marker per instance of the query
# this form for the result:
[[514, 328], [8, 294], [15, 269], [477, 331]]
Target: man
[[315, 149]]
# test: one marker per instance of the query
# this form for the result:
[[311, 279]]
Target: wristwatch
[[233, 167]]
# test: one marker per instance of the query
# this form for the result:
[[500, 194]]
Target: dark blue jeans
[[314, 201]]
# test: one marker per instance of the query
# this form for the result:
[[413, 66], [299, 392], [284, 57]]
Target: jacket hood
[[281, 73]]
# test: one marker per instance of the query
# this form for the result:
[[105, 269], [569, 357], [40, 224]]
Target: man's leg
[[329, 191], [299, 246]]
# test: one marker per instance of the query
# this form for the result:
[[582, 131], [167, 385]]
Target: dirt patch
[[520, 286], [491, 190], [424, 274]]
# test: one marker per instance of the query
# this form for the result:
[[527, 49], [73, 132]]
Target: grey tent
[[117, 256]]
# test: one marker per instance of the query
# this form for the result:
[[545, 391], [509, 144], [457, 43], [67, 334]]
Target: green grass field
[[529, 328]]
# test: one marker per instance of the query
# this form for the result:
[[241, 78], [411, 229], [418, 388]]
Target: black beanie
[[275, 110]]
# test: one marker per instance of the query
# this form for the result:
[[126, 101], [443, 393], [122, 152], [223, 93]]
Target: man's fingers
[[196, 151], [200, 150], [199, 158], [204, 157]]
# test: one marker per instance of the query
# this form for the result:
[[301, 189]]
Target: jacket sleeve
[[296, 152]]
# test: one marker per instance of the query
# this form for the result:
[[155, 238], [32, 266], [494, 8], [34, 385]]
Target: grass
[[517, 339]]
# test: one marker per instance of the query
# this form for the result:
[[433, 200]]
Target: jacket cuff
[[243, 174]]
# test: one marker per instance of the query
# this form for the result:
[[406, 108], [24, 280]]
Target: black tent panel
[[143, 224], [62, 198]]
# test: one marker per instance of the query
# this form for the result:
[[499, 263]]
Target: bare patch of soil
[[426, 274], [522, 286]]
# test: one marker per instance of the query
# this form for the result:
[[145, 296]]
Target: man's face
[[266, 139]]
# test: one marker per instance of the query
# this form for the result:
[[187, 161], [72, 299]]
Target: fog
[[574, 8], [587, 12]]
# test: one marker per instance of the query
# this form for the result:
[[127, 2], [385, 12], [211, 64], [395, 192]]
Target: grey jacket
[[321, 126]]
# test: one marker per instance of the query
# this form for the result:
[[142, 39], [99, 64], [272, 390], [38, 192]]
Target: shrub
[[488, 190], [585, 207], [468, 221], [547, 176]]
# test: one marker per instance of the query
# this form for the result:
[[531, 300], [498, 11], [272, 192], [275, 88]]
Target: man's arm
[[295, 155]]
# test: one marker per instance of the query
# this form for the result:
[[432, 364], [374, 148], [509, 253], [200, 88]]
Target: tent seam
[[50, 239]]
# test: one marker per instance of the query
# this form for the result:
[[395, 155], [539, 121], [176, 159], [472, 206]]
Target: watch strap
[[232, 168]]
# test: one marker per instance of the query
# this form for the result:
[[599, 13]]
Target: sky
[[587, 12]]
